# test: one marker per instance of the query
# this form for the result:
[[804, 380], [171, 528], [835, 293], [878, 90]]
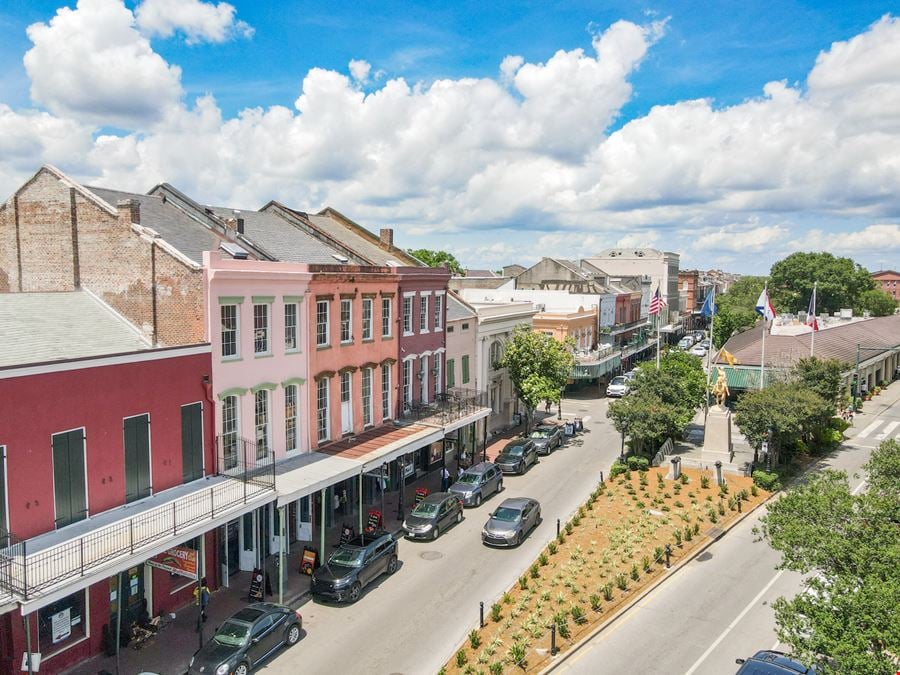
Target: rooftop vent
[[393, 263], [234, 250], [340, 258]]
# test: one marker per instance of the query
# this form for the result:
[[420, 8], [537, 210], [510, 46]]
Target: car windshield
[[618, 380], [425, 509], [468, 479], [347, 557], [515, 451], [232, 633], [540, 433], [507, 514]]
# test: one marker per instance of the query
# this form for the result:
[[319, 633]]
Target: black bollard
[[481, 614], [601, 476], [668, 553], [553, 640], [739, 504], [557, 527]]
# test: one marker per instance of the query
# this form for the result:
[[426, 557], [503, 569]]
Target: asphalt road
[[718, 607], [412, 621]]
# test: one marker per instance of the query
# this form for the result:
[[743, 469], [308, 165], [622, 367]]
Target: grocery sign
[[178, 560]]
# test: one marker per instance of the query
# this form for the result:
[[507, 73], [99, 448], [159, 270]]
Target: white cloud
[[735, 240], [878, 238], [91, 65], [359, 70], [197, 21]]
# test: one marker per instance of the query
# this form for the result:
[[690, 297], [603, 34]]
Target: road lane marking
[[869, 429], [887, 430], [731, 626]]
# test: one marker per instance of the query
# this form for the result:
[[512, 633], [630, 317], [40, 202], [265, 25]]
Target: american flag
[[657, 303]]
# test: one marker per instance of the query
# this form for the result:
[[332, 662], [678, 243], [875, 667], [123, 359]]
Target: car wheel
[[477, 500], [435, 533], [355, 591], [519, 539], [459, 516], [537, 521], [293, 636], [242, 669], [521, 469], [500, 486], [393, 565]]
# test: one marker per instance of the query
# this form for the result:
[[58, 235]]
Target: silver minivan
[[477, 483]]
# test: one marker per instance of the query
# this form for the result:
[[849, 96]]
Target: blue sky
[[572, 142]]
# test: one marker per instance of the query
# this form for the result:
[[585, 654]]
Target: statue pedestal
[[717, 436]]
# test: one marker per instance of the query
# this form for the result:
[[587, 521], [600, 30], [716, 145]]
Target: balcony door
[[191, 442], [69, 490], [346, 405], [137, 457], [423, 382]]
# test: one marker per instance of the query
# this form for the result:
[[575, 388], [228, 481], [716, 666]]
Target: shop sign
[[409, 467], [177, 560]]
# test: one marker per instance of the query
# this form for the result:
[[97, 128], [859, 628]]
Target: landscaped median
[[613, 546]]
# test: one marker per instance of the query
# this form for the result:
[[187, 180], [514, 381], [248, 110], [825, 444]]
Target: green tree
[[646, 419], [840, 282], [823, 376], [679, 381], [847, 622], [876, 302], [731, 320], [538, 365], [437, 259]]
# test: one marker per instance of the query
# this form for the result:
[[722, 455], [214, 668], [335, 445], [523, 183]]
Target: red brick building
[[889, 282]]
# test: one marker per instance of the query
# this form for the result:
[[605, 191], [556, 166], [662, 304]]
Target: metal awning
[[745, 378]]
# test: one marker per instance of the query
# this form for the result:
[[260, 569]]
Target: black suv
[[517, 456], [354, 565]]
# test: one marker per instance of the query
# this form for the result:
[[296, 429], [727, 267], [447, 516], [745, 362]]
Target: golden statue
[[720, 388]]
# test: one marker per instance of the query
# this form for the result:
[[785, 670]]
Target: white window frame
[[386, 317], [407, 390], [439, 371], [323, 409], [323, 328], [292, 330], [345, 377], [346, 324], [367, 411], [368, 310], [386, 392], [408, 313], [261, 408], [262, 328], [231, 424], [438, 312], [236, 331], [423, 312], [291, 417]]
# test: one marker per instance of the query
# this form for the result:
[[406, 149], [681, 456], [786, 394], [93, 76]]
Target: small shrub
[[732, 503], [534, 570], [638, 463], [679, 505], [743, 495], [595, 602], [543, 559], [635, 575], [754, 490], [696, 528], [577, 614], [665, 507], [617, 469], [657, 553], [576, 521], [627, 475], [507, 598], [713, 517], [562, 629], [474, 639], [607, 590], [660, 480], [645, 563], [704, 482], [621, 581], [666, 495], [768, 481], [723, 488], [684, 479], [561, 537], [678, 537], [721, 508], [496, 668], [640, 504], [495, 612], [552, 547], [688, 533], [461, 658], [516, 653], [569, 527], [523, 583]]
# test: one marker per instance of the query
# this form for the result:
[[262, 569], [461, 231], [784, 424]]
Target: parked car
[[511, 522], [247, 639], [433, 515], [705, 343], [354, 565], [698, 334], [698, 350], [631, 375], [517, 456], [618, 387], [686, 342], [770, 662], [477, 483], [546, 437]]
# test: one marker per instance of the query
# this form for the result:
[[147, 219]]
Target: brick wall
[[68, 241]]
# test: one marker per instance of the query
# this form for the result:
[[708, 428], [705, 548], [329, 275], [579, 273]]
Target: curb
[[574, 649]]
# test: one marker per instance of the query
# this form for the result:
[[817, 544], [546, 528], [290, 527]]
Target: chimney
[[129, 210], [387, 236]]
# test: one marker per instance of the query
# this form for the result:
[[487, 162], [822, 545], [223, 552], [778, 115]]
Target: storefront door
[[233, 543], [132, 598]]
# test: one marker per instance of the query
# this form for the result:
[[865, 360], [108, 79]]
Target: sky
[[733, 133]]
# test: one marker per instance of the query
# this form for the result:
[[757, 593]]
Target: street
[[412, 622], [717, 608]]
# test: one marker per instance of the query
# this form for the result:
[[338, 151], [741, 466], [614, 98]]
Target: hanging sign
[[177, 560], [256, 585]]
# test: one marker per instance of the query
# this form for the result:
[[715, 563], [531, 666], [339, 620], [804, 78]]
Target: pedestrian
[[336, 502], [201, 598], [343, 502], [445, 479], [850, 416]]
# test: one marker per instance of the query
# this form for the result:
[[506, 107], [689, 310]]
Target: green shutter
[[465, 369], [191, 442], [3, 524], [451, 375], [68, 477], [137, 457]]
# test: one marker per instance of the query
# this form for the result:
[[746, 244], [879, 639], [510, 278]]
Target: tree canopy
[[847, 622], [736, 309], [841, 282], [437, 259], [538, 365], [876, 302], [823, 376]]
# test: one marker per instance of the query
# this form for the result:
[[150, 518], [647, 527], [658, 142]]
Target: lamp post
[[622, 451]]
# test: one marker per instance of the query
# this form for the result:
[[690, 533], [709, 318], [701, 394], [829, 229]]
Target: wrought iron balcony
[[448, 406], [35, 566]]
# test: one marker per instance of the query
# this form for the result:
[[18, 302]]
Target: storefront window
[[63, 623]]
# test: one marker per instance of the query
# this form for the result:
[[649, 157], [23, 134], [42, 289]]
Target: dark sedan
[[546, 437], [768, 662], [354, 565], [517, 456], [511, 522], [248, 638], [433, 515]]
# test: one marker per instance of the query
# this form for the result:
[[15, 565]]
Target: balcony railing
[[27, 574], [448, 406]]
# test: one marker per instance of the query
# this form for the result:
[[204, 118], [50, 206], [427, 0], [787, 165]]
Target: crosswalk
[[880, 430]]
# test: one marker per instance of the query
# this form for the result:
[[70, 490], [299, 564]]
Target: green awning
[[745, 377]]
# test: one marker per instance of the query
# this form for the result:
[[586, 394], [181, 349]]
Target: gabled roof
[[458, 309], [41, 327], [880, 273], [481, 273]]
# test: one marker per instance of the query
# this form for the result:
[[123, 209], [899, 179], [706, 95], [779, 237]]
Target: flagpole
[[712, 324], [658, 336], [812, 323], [762, 365]]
